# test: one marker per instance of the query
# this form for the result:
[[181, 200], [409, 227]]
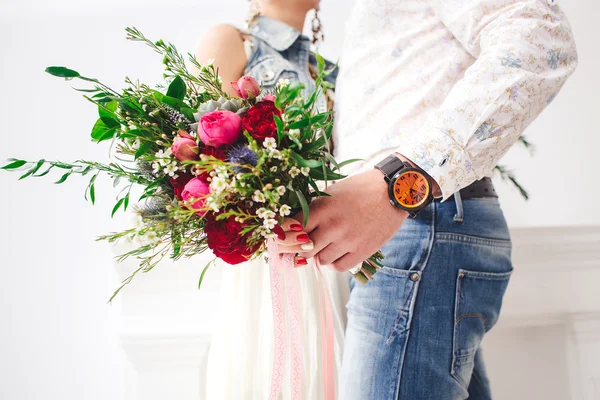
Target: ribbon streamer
[[283, 278]]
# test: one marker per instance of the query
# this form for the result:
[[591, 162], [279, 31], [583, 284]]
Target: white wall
[[58, 336]]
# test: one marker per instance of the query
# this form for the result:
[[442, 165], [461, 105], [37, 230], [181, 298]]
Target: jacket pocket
[[476, 309], [269, 70]]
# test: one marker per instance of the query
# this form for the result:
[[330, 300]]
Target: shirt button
[[552, 2], [267, 75], [415, 277]]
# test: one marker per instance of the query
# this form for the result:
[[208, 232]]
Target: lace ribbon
[[282, 276]]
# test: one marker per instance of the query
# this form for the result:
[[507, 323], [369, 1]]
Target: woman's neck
[[294, 19]]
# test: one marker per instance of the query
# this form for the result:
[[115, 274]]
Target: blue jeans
[[414, 333]]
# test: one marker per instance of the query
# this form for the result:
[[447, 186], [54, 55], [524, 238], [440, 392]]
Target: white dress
[[241, 352]]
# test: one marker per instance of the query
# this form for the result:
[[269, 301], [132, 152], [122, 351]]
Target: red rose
[[224, 239], [179, 183], [217, 152], [259, 121]]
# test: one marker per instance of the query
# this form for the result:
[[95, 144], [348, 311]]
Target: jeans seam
[[464, 238], [410, 294]]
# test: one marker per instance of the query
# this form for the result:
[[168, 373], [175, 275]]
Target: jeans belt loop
[[459, 217]]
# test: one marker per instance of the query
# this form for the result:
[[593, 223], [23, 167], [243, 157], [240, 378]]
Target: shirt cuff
[[438, 153]]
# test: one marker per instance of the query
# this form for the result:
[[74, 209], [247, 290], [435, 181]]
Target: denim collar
[[279, 35]]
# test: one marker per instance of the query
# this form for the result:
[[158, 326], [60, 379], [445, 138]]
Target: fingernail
[[300, 261], [303, 238], [279, 232], [308, 246], [296, 227]]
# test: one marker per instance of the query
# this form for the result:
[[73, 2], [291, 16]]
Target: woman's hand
[[296, 240]]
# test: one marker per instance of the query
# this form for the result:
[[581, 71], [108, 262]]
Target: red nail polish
[[303, 238], [296, 227], [301, 261], [278, 230]]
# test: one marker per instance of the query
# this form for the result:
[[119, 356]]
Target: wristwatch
[[409, 188]]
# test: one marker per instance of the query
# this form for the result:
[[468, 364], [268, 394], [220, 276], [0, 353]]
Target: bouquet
[[217, 172]]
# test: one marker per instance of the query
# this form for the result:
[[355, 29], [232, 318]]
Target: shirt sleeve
[[524, 52]]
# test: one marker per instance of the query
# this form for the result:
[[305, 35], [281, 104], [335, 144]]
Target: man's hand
[[354, 223]]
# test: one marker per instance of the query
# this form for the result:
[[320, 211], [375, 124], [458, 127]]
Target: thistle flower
[[241, 154]]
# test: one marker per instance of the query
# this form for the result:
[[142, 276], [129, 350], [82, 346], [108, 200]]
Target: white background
[[57, 334]]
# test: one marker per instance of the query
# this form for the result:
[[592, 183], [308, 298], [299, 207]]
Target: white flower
[[218, 184], [269, 223], [283, 82], [275, 154], [294, 171], [138, 221], [261, 212], [171, 169], [285, 210], [152, 237], [197, 170], [270, 143], [295, 133], [281, 190], [210, 61], [305, 171], [156, 168], [259, 197], [268, 214], [164, 157], [273, 168], [203, 157]]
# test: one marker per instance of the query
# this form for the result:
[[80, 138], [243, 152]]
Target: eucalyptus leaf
[[63, 72], [63, 178], [33, 170], [14, 164], [117, 206]]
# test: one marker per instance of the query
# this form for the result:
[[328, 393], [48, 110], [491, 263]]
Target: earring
[[254, 13], [317, 28]]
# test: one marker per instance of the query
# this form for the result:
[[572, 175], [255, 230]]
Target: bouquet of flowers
[[217, 172]]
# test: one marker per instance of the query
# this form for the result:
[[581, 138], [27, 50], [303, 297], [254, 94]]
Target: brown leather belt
[[477, 190]]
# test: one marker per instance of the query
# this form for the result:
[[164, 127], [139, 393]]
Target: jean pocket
[[476, 309]]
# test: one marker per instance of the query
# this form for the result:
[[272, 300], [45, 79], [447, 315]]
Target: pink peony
[[196, 189], [246, 87], [220, 128], [269, 97], [185, 149]]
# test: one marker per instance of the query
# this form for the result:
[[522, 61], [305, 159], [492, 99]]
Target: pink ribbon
[[281, 269]]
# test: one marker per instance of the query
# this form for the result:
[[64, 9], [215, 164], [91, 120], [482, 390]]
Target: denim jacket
[[279, 51]]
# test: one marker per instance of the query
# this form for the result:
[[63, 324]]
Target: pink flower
[[185, 149], [269, 97], [246, 87], [196, 189], [220, 128], [184, 134]]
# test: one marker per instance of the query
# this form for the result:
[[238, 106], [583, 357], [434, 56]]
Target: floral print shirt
[[449, 84]]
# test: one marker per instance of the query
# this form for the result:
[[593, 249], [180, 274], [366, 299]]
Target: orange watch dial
[[411, 189]]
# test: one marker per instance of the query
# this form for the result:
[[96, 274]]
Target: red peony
[[217, 152], [224, 239], [179, 183], [259, 121]]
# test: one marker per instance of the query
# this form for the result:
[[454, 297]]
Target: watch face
[[411, 189]]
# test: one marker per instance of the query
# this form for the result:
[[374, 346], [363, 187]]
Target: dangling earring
[[254, 13], [317, 29]]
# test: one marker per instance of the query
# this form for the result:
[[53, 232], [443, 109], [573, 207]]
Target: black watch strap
[[390, 165]]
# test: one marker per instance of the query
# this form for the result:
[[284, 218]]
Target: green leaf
[[303, 123], [63, 72], [44, 173], [280, 131], [320, 63], [107, 112], [353, 160], [117, 206], [63, 178], [93, 193], [101, 131], [33, 170], [204, 273], [304, 205], [143, 149], [318, 175], [14, 164], [126, 202], [305, 163], [177, 88], [188, 113]]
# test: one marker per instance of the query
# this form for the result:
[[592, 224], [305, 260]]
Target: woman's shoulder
[[222, 41]]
